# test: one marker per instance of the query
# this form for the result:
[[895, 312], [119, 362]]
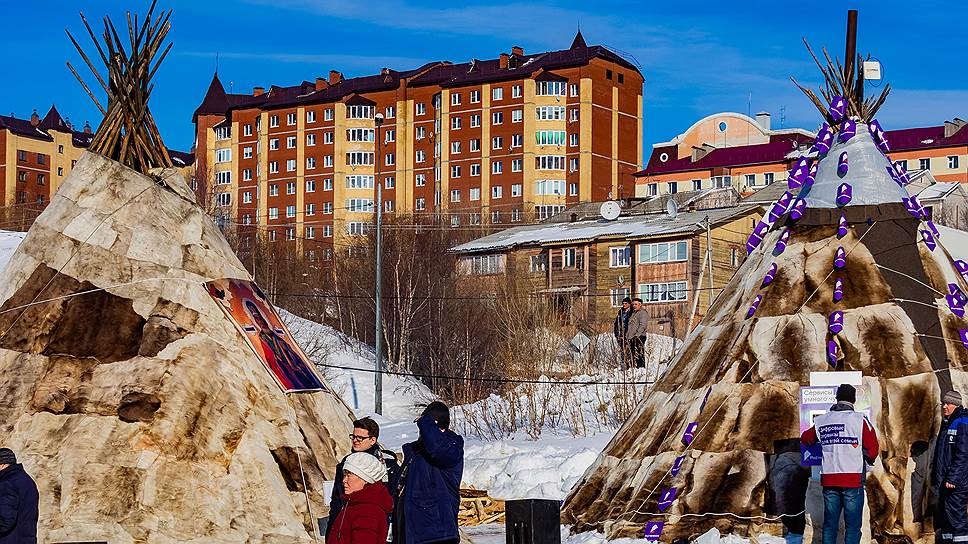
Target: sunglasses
[[358, 438]]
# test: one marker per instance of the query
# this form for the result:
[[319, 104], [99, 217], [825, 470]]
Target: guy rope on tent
[[128, 133]]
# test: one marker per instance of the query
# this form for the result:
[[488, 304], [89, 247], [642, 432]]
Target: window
[[310, 116], [291, 188], [223, 133], [328, 161], [42, 159], [272, 236], [573, 115], [60, 170], [475, 169], [768, 178], [360, 112], [247, 152], [389, 159], [516, 91], [550, 113], [549, 162], [573, 89], [475, 120], [539, 263], [247, 130], [497, 191], [497, 93], [662, 252], [247, 197], [697, 185], [924, 164], [516, 189], [291, 210], [389, 182], [517, 140], [328, 114], [901, 164], [573, 140], [653, 189], [359, 182], [455, 171], [420, 108], [327, 138], [620, 257], [224, 199], [476, 144], [722, 182], [421, 204], [310, 186], [41, 178], [618, 295], [223, 177], [517, 116], [389, 135], [673, 187], [359, 204], [572, 189], [327, 231], [310, 163], [517, 165], [273, 189], [608, 74], [475, 97], [21, 155], [952, 162], [480, 265], [750, 180], [475, 193], [550, 137], [273, 213], [327, 184], [390, 112], [455, 123], [356, 228], [291, 119], [569, 257], [455, 147], [273, 121], [359, 134], [273, 144], [388, 205], [495, 216], [221, 155], [551, 88], [291, 165], [291, 142], [497, 118], [663, 292], [497, 142], [359, 158], [420, 133], [550, 187], [455, 195], [497, 167], [310, 232], [573, 164], [455, 99], [328, 208], [420, 180], [421, 155], [246, 174]]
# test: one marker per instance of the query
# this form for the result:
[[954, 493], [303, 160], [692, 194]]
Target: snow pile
[[9, 242]]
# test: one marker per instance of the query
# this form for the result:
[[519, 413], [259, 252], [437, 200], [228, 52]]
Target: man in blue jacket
[[428, 496], [18, 502], [950, 475]]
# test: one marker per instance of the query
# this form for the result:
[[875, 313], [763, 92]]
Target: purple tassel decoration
[[653, 530], [844, 193], [847, 130], [842, 165], [677, 465], [825, 138], [955, 305], [928, 239], [666, 499], [811, 177], [798, 208], [836, 322], [780, 206], [963, 333], [782, 243], [798, 173], [842, 227], [705, 399], [754, 306], [770, 274], [690, 433], [838, 108], [840, 258], [756, 237], [838, 290], [913, 207], [903, 178], [877, 133], [934, 229], [962, 268], [958, 293], [832, 353], [893, 173]]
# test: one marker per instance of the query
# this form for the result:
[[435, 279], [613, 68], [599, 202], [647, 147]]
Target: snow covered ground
[[9, 241]]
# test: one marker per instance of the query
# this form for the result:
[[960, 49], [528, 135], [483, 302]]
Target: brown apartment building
[[502, 141], [36, 155]]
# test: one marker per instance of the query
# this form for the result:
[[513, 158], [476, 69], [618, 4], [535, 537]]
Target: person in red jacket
[[849, 444], [368, 504]]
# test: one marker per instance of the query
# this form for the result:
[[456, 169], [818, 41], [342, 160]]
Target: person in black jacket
[[621, 326], [950, 475], [366, 432], [19, 502]]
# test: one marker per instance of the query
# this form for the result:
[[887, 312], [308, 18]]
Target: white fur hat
[[367, 467]]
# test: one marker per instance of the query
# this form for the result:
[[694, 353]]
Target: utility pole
[[850, 57], [378, 375]]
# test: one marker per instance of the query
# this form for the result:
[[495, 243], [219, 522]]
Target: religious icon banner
[[249, 309]]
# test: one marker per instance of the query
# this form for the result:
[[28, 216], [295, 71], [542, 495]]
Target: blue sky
[[695, 61]]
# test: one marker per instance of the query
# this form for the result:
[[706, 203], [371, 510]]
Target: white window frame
[[662, 252]]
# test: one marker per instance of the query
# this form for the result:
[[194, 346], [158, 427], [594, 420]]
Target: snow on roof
[[955, 241], [938, 190], [625, 227]]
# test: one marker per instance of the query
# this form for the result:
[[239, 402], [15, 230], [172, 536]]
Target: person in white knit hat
[[364, 518]]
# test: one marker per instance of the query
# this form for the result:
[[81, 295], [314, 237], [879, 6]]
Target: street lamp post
[[378, 385]]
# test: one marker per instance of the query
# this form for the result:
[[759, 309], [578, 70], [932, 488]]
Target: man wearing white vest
[[849, 444]]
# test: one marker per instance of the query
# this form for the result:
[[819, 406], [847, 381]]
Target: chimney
[[34, 118], [701, 151], [87, 127], [504, 61], [517, 50], [335, 77], [763, 119], [951, 127], [321, 83], [258, 91]]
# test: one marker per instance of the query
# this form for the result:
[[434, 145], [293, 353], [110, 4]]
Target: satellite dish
[[672, 208], [610, 210]]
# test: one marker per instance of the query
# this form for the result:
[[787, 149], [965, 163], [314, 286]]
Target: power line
[[490, 380]]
